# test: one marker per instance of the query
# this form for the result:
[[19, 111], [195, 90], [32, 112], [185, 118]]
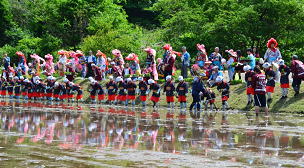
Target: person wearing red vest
[[248, 78], [259, 85], [297, 69], [169, 90], [270, 76], [182, 91], [284, 79]]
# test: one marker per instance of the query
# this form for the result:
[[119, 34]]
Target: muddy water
[[56, 135]]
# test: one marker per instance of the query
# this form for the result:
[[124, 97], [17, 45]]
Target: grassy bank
[[238, 98]]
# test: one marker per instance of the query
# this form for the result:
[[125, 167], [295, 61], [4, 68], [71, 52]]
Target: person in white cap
[[94, 90], [214, 75], [223, 87], [182, 91], [49, 87], [143, 91], [169, 89], [155, 88], [248, 78], [270, 76], [111, 90], [284, 79], [122, 91], [17, 88], [131, 88], [57, 90]]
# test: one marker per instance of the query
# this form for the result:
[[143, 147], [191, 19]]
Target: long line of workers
[[125, 91]]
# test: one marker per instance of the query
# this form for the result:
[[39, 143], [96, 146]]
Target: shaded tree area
[[45, 26]]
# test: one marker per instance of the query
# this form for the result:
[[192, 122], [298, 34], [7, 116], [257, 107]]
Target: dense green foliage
[[45, 26]]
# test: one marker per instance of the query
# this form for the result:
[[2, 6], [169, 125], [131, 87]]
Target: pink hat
[[48, 56], [201, 47], [231, 52], [150, 51], [78, 53], [116, 52]]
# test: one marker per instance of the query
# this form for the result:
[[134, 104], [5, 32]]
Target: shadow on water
[[66, 135]]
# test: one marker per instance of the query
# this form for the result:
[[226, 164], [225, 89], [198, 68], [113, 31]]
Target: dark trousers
[[90, 71], [184, 71], [196, 101], [167, 73], [296, 83]]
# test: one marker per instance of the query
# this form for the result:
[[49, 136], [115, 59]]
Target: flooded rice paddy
[[67, 135]]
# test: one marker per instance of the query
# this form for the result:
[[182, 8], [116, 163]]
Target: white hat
[[129, 80], [140, 78], [37, 82], [180, 78], [91, 78], [266, 65], [16, 77], [21, 77], [281, 62], [93, 81], [219, 79], [150, 81], [119, 79], [111, 77], [71, 84], [56, 84], [261, 61], [223, 61], [53, 78], [203, 74], [26, 80], [168, 77], [215, 67], [49, 77], [246, 68], [65, 80]]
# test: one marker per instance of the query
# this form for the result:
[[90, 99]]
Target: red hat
[[201, 47], [61, 52], [272, 41], [19, 53], [99, 53], [167, 47]]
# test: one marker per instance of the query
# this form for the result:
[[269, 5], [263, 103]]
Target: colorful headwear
[[48, 57], [61, 52], [159, 60], [116, 52], [201, 47], [167, 47], [19, 53], [150, 51], [99, 53], [231, 52], [132, 57], [78, 53], [272, 41]]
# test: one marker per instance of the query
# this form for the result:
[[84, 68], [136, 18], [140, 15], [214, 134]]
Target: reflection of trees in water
[[72, 130]]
